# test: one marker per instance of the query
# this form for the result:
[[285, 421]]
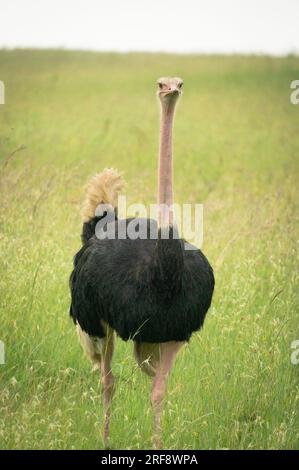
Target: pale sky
[[209, 26]]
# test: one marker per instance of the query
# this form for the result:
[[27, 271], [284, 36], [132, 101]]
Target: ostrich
[[151, 291]]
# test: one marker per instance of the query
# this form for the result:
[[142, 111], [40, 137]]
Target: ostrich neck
[[165, 187]]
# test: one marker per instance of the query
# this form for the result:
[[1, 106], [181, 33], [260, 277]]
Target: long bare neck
[[165, 186]]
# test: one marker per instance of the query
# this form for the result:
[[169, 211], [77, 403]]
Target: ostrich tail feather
[[103, 188]]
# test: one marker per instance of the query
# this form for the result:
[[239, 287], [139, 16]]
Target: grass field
[[70, 114]]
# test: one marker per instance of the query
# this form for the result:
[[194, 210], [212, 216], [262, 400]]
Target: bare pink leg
[[168, 353], [108, 380]]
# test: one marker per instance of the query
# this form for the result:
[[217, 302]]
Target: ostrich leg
[[100, 352], [108, 380], [168, 353]]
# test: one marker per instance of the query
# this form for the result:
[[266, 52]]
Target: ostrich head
[[170, 88]]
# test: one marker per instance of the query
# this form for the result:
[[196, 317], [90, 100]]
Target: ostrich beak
[[173, 91]]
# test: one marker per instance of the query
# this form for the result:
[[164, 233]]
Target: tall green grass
[[70, 114]]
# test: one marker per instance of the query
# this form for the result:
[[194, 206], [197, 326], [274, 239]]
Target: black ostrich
[[152, 291]]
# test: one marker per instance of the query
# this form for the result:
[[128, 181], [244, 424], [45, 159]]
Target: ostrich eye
[[160, 85], [180, 85]]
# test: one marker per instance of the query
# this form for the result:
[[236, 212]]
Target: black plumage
[[147, 290]]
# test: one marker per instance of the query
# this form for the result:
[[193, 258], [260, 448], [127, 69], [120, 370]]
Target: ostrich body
[[152, 291]]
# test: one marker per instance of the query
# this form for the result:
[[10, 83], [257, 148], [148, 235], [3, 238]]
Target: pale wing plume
[[103, 188]]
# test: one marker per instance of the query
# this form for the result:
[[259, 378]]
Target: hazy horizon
[[161, 52], [268, 27]]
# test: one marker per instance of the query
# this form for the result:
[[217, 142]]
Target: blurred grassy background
[[70, 114]]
